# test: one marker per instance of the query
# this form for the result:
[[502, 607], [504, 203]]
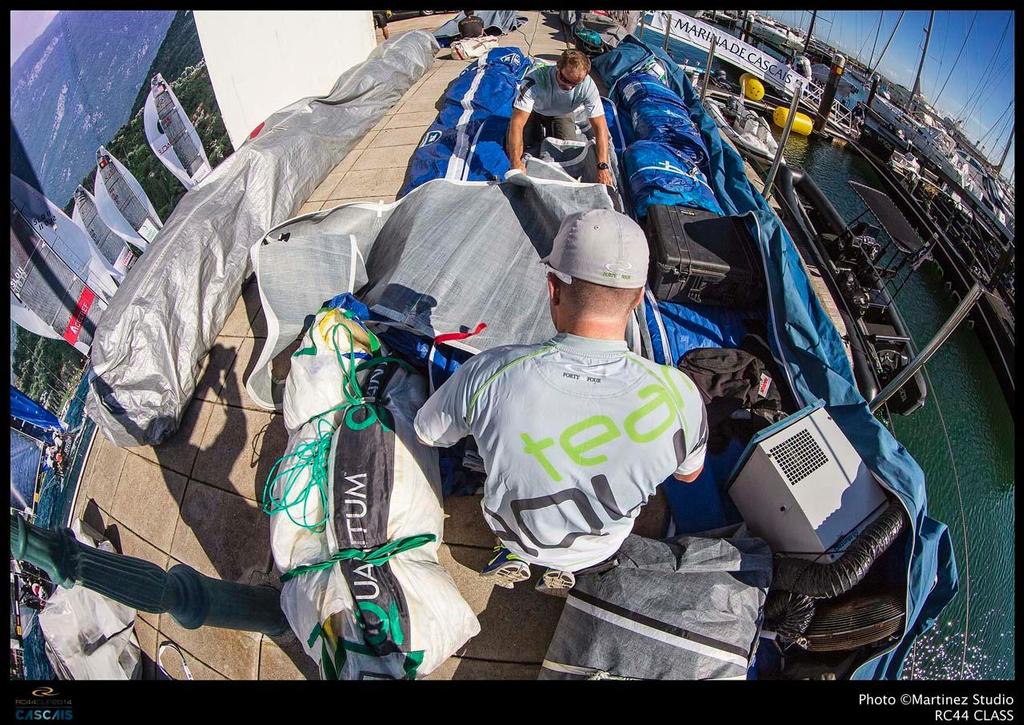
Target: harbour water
[[963, 439]]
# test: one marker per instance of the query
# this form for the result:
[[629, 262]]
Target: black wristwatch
[[602, 166]]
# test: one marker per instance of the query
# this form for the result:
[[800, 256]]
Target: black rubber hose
[[788, 615], [822, 581]]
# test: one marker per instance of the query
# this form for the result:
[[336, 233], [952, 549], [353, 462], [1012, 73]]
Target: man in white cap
[[577, 432]]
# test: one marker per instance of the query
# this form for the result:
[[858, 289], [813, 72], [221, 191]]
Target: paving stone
[[369, 183], [102, 472], [215, 367], [407, 120], [178, 452], [394, 157], [282, 658], [175, 671], [237, 324], [211, 653], [346, 163], [232, 653], [321, 192], [466, 668], [221, 535], [308, 207], [365, 140], [233, 391], [516, 625], [464, 524], [148, 499], [398, 137], [424, 103], [239, 449]]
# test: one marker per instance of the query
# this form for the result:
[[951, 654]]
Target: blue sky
[[982, 83]]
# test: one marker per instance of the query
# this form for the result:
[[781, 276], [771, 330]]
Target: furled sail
[[59, 281], [122, 203], [172, 136], [114, 250]]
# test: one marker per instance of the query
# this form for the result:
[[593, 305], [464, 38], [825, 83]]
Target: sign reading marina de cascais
[[730, 49]]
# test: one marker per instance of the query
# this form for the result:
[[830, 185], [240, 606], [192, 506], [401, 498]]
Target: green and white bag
[[363, 588]]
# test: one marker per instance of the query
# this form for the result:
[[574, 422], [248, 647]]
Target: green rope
[[373, 557], [314, 455]]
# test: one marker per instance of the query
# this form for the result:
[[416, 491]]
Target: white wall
[[260, 62]]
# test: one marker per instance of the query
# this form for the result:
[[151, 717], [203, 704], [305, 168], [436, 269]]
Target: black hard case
[[702, 257]]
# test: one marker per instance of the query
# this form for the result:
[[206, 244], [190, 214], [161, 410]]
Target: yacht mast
[[875, 42], [916, 95], [891, 36], [810, 29], [1009, 140]]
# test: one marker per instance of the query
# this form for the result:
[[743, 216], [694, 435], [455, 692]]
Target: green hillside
[[46, 370], [180, 50]]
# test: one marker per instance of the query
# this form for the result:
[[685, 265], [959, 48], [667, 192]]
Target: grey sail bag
[[687, 608]]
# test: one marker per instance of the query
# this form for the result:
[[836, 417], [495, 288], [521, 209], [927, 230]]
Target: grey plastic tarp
[[174, 302], [496, 22], [448, 255], [688, 608]]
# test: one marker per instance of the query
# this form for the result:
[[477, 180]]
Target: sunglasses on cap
[[562, 80]]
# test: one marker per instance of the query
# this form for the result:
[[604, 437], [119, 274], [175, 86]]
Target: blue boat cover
[[665, 160], [496, 22], [807, 344], [658, 174], [467, 140], [658, 114]]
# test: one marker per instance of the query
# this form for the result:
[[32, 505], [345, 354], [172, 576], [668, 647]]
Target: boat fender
[[752, 87], [802, 124], [823, 581]]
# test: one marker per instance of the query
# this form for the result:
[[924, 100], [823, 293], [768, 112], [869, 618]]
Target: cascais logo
[[44, 692]]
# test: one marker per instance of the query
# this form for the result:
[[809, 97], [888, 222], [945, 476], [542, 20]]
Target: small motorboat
[[744, 127]]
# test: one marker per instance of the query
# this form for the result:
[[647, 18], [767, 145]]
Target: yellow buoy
[[752, 87], [802, 124]]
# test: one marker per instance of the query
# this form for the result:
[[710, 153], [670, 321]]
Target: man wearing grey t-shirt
[[546, 100], [576, 432]]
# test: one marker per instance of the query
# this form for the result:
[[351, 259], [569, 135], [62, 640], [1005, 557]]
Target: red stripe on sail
[[74, 328]]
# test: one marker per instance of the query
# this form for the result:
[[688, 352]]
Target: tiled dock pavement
[[195, 498]]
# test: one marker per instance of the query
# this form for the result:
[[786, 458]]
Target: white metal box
[[804, 489]]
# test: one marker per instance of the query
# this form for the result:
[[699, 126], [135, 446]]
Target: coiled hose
[[823, 581], [788, 615]]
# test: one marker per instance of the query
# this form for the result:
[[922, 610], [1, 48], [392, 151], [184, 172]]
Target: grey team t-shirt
[[576, 434], [539, 92]]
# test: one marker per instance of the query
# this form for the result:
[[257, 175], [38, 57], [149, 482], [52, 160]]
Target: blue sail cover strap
[[467, 140], [802, 336]]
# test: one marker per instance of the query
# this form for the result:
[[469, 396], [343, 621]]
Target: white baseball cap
[[600, 246]]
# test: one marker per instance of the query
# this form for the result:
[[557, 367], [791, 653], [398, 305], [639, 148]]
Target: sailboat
[[115, 250], [60, 283], [172, 136], [121, 202]]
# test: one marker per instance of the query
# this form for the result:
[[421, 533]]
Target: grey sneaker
[[556, 582]]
